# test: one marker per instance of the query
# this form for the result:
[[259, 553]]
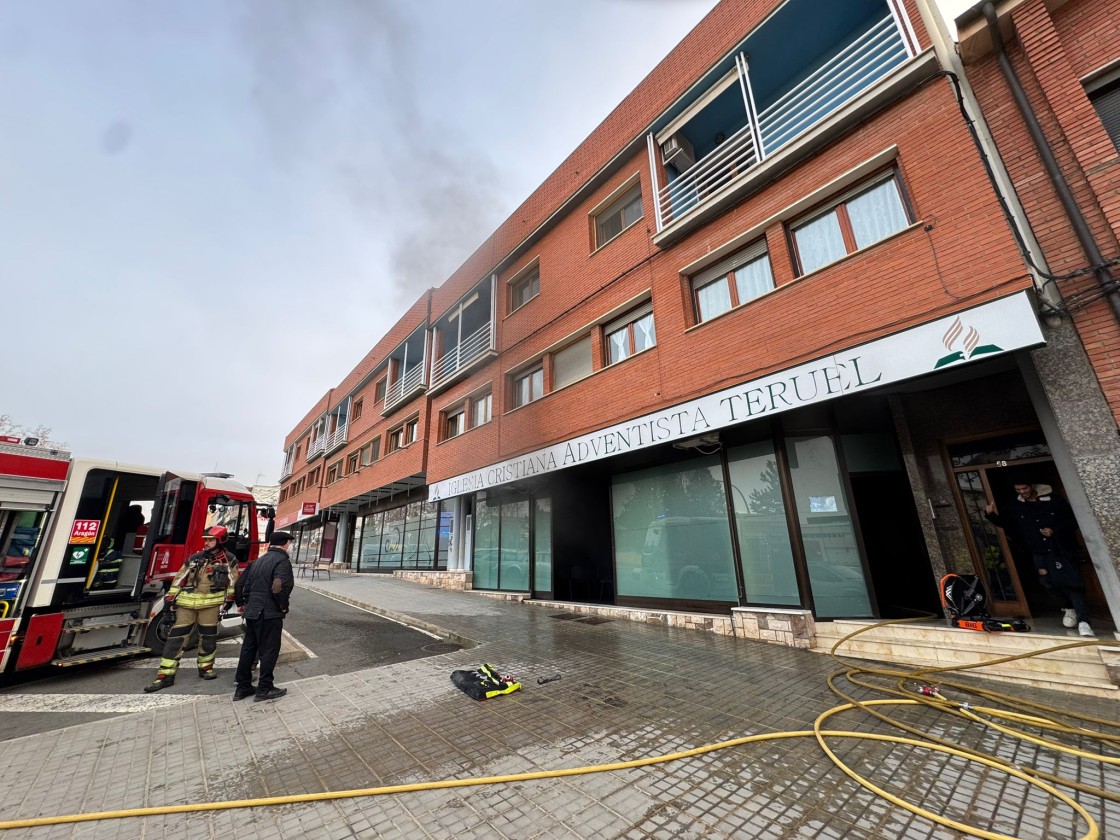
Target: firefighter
[[199, 594]]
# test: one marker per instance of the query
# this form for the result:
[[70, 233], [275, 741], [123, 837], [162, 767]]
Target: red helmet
[[217, 532]]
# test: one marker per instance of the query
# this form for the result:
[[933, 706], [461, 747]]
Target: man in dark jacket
[[262, 592], [1046, 524]]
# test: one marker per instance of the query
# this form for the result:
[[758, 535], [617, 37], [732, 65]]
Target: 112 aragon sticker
[[970, 342]]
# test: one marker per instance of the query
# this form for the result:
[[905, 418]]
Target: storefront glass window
[[356, 529], [486, 521], [372, 527], [835, 570], [429, 516], [542, 545], [392, 539], [513, 562], [672, 537], [760, 520], [411, 535]]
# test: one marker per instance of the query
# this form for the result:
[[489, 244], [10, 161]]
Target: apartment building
[[765, 341]]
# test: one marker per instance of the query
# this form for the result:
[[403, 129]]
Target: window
[[403, 435], [454, 421], [572, 363], [732, 282], [379, 390], [1106, 99], [618, 215], [525, 288], [352, 462], [481, 409], [334, 472], [528, 386], [370, 452], [356, 411], [630, 334], [861, 218]]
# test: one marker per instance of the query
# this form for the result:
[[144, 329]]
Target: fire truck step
[[89, 628], [114, 653]]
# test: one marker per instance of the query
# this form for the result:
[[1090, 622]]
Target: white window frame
[[486, 399]]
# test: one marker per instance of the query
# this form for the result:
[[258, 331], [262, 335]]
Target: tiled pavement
[[628, 691]]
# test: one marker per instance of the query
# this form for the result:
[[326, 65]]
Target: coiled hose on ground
[[932, 687]]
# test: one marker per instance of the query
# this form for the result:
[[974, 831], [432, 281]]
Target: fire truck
[[88, 548]]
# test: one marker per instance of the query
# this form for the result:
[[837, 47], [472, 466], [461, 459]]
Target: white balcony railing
[[317, 447], [857, 66], [337, 438], [468, 350], [404, 387], [735, 155], [870, 56], [286, 471]]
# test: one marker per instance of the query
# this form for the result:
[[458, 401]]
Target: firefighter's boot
[[161, 681], [207, 672]]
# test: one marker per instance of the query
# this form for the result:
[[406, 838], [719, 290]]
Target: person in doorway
[[263, 593], [200, 593], [1046, 524]]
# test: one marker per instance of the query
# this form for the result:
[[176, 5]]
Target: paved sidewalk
[[627, 691]]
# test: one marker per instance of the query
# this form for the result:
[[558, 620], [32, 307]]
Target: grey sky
[[209, 211]]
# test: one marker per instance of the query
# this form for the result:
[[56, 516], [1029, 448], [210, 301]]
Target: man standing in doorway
[[1047, 526], [263, 592]]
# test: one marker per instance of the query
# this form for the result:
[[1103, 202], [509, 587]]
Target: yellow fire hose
[[932, 698]]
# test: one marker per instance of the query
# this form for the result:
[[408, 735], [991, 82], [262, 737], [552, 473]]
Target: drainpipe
[[1050, 163]]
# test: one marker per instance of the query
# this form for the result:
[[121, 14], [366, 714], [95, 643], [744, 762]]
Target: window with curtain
[[630, 334], [528, 386], [866, 215], [739, 279]]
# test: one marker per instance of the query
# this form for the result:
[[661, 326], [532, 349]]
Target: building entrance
[[986, 470]]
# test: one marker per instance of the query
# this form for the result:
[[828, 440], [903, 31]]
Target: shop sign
[[84, 531], [991, 329], [309, 509]]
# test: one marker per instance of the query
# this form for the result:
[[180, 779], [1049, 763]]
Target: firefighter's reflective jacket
[[206, 580]]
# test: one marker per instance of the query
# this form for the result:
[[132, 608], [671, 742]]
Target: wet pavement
[[627, 691]]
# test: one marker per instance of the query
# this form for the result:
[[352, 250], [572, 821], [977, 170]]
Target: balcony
[[473, 348], [316, 448], [403, 388], [286, 471], [336, 438], [796, 77]]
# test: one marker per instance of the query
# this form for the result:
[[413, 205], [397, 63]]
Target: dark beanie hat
[[280, 538]]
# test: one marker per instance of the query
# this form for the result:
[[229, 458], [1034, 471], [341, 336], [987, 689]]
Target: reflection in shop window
[[831, 553], [672, 538], [765, 551]]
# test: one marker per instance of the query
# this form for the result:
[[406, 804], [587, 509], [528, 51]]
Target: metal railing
[[858, 65], [317, 447], [735, 155], [337, 437], [869, 57], [404, 387], [468, 350], [286, 471]]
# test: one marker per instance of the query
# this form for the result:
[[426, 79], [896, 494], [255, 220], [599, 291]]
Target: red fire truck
[[87, 549]]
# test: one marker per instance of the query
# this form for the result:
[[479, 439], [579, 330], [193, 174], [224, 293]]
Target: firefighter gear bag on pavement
[[483, 683]]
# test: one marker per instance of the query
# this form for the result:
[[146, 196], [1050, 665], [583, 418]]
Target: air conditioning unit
[[678, 151]]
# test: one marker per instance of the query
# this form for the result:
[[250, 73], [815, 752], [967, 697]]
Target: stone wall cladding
[[458, 580], [718, 624], [792, 628]]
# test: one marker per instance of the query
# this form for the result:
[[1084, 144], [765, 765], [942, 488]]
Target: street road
[[339, 638]]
